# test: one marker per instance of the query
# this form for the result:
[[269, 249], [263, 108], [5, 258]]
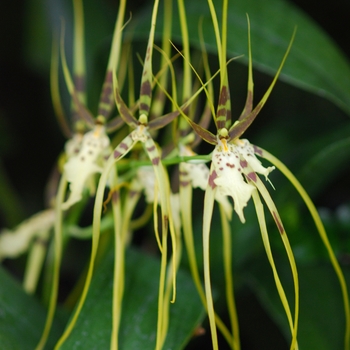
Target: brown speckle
[[146, 88], [117, 154], [155, 161], [258, 150], [212, 177], [243, 163], [252, 176], [278, 223], [152, 148], [115, 196]]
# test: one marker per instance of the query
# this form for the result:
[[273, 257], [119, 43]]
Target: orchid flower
[[233, 173], [34, 231], [195, 174], [85, 154], [140, 133]]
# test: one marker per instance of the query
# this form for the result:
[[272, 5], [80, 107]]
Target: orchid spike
[[90, 157], [233, 170], [140, 133]]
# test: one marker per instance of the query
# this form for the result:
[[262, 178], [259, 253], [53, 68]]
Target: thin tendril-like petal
[[155, 219], [209, 107], [57, 262], [159, 99], [114, 56], [167, 220], [143, 219], [146, 80], [242, 125], [262, 223], [116, 155], [216, 29], [207, 216], [186, 93], [55, 94], [322, 232], [83, 112], [119, 263], [106, 99], [131, 81], [160, 322], [227, 254], [161, 121], [35, 261], [169, 281], [203, 85], [79, 70], [121, 228], [130, 203], [203, 133], [250, 86], [186, 215], [164, 188]]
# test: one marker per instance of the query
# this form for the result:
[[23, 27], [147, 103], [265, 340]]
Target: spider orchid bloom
[[33, 234], [196, 173], [15, 242], [230, 162], [89, 161], [233, 173], [94, 147], [141, 128], [85, 154]]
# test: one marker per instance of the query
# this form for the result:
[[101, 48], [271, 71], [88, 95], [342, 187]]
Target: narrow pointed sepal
[[124, 111], [238, 128], [206, 135], [106, 99], [114, 124], [246, 120], [250, 88], [160, 122], [146, 82], [223, 115]]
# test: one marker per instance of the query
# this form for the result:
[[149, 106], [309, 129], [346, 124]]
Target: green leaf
[[315, 63], [139, 313], [22, 317], [328, 161]]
